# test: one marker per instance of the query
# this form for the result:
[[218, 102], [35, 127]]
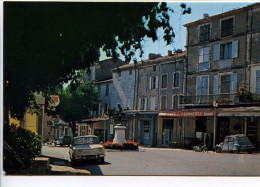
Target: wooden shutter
[[145, 103], [216, 52], [139, 103], [235, 49], [258, 82], [198, 85], [233, 85], [150, 82], [215, 85]]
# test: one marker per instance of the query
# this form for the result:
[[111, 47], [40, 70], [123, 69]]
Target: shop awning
[[92, 120], [240, 111], [133, 112], [187, 113]]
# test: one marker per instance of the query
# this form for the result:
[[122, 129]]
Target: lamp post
[[215, 105]]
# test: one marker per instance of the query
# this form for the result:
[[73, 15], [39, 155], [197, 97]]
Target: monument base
[[119, 134]]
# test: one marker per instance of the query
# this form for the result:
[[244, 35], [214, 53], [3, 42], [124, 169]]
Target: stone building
[[223, 66]]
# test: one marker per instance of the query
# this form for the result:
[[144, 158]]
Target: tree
[[46, 42], [77, 104]]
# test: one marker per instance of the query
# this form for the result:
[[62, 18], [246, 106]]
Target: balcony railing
[[225, 99]]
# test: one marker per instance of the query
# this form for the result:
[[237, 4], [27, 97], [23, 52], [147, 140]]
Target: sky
[[177, 21]]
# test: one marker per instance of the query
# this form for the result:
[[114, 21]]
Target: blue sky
[[178, 20]]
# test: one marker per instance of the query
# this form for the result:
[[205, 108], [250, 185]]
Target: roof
[[104, 67], [222, 15], [153, 61]]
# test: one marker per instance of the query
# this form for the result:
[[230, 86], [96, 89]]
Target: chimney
[[169, 53], [205, 16], [178, 51], [153, 56]]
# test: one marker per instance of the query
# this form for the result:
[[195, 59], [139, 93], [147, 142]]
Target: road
[[168, 162]]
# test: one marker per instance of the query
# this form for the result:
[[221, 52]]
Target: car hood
[[91, 146]]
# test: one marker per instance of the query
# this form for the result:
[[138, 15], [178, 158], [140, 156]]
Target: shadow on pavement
[[91, 166]]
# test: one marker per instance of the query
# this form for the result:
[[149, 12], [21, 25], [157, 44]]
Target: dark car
[[64, 140], [189, 142], [235, 144]]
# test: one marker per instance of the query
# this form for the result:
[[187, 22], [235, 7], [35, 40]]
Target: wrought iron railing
[[228, 99]]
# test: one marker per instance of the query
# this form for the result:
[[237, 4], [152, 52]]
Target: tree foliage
[[46, 42], [77, 104], [20, 148]]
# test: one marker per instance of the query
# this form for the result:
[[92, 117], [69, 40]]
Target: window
[[163, 102], [227, 27], [153, 82], [105, 108], [226, 51], [202, 85], [82, 130], [175, 101], [142, 103], [225, 83], [154, 68], [176, 79], [204, 32], [203, 58], [164, 81], [107, 90]]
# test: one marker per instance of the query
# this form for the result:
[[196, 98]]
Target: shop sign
[[186, 114]]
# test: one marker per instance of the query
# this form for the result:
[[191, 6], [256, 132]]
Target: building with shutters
[[223, 66]]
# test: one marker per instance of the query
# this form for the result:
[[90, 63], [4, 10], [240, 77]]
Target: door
[[166, 136], [146, 133]]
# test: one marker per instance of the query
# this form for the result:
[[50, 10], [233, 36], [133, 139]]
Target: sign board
[[186, 114], [55, 100]]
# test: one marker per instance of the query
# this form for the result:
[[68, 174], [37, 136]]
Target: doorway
[[146, 132], [167, 131]]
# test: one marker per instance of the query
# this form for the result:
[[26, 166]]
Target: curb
[[66, 170]]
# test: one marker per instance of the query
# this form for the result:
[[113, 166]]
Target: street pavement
[[166, 162]]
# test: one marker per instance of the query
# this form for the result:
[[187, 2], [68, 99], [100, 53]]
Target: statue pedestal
[[119, 134]]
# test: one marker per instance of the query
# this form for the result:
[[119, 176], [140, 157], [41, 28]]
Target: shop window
[[227, 27], [204, 32], [201, 124], [164, 80]]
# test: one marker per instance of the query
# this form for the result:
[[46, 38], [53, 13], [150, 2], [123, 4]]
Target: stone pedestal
[[119, 134]]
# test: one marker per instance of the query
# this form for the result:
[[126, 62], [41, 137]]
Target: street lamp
[[215, 105]]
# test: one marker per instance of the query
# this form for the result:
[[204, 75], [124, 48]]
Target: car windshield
[[242, 138], [86, 140]]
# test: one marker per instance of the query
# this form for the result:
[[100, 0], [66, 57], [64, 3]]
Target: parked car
[[189, 142], [235, 143], [64, 140], [86, 148]]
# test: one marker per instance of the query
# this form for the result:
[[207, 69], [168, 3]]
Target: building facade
[[223, 67]]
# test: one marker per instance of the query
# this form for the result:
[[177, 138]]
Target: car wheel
[[236, 151], [249, 151]]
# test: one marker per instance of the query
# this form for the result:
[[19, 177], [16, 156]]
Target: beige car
[[86, 148]]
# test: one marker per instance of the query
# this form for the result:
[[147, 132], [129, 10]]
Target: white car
[[86, 148]]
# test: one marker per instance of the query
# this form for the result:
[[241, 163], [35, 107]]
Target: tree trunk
[[73, 128]]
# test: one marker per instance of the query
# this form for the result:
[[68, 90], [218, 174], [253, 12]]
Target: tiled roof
[[103, 69], [157, 60]]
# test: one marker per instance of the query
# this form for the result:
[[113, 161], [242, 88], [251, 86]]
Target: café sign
[[186, 114]]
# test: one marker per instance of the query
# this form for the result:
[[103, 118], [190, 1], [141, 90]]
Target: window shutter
[[215, 85], [216, 52], [145, 103], [156, 82], [150, 82], [200, 55], [235, 49], [198, 85], [233, 85], [204, 85], [257, 82], [139, 104]]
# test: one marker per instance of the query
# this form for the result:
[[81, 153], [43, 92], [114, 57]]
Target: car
[[235, 144], [63, 140], [86, 148]]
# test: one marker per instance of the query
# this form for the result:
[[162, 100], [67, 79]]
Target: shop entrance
[[223, 129], [167, 131]]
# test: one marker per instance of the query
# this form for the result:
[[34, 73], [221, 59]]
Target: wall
[[31, 122]]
